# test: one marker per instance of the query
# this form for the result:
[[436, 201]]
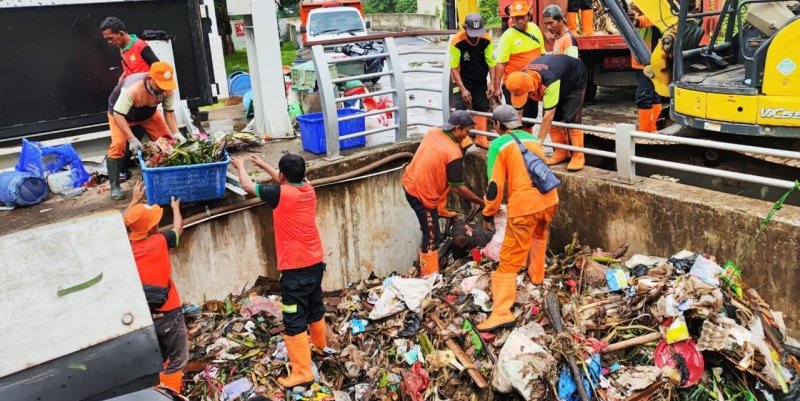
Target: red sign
[[617, 62], [239, 27]]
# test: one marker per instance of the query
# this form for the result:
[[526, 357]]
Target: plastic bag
[[256, 304], [523, 366], [401, 293], [22, 189], [492, 249], [31, 161]]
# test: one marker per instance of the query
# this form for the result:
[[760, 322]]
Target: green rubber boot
[[113, 166]]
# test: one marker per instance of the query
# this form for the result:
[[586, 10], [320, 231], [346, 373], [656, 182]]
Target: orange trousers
[[155, 126], [521, 232]]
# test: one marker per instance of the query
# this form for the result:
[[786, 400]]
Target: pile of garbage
[[199, 149], [603, 326]]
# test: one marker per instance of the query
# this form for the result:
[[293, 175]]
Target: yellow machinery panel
[[464, 7], [732, 108], [658, 12], [690, 103], [782, 67], [781, 111]]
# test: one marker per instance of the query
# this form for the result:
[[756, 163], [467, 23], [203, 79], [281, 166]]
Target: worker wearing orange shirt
[[529, 214], [151, 253], [520, 44], [437, 167], [647, 100]]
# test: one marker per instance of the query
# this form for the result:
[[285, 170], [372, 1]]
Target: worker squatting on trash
[[299, 249], [471, 61], [136, 56], [151, 253], [529, 214], [135, 102], [436, 168], [558, 81], [518, 47]]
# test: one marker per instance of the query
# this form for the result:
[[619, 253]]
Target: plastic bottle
[[60, 182]]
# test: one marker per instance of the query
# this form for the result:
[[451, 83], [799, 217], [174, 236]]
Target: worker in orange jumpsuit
[[647, 100], [151, 253], [529, 214], [436, 168], [300, 259], [559, 81], [136, 56], [134, 102]]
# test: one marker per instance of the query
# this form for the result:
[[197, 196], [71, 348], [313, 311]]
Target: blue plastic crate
[[194, 183], [312, 131]]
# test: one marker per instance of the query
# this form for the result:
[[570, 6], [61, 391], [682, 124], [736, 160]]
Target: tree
[[406, 6], [488, 10], [379, 6]]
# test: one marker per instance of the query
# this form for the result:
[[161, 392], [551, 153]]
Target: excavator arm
[[658, 63]]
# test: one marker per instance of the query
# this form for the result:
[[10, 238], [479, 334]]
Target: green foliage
[[390, 6], [237, 61], [443, 14], [406, 6], [488, 10]]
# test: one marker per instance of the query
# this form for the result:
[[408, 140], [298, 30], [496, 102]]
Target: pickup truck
[[331, 19]]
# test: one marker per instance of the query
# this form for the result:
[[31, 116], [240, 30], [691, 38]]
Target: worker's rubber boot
[[317, 333], [577, 160], [572, 22], [428, 263], [536, 267], [504, 293], [173, 381], [646, 121], [441, 207], [656, 115], [481, 124], [587, 22], [558, 135], [113, 166], [299, 351]]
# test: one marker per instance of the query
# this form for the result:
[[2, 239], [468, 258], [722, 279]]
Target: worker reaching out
[[135, 102], [299, 248], [647, 100], [529, 214], [519, 46], [437, 167], [559, 81], [471, 62], [151, 253]]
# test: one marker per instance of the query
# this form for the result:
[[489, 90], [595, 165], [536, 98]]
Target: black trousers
[[301, 293], [530, 110], [574, 5], [172, 339], [139, 132], [480, 102], [428, 223], [646, 95]]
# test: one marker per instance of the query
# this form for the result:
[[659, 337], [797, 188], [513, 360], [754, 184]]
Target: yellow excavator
[[742, 87]]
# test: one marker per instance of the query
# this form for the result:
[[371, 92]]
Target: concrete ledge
[[663, 218]]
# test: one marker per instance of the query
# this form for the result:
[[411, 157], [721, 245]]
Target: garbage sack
[[22, 189], [401, 293], [31, 160], [492, 249], [256, 304], [524, 366]]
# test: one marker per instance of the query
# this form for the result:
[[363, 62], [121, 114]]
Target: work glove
[[179, 137], [135, 145]]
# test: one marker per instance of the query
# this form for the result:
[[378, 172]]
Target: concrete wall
[[380, 22], [662, 218]]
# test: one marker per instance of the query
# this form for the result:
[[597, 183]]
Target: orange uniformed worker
[[300, 259], [529, 214], [519, 46], [135, 53], [647, 100], [151, 253], [437, 166], [565, 41], [134, 102], [559, 81]]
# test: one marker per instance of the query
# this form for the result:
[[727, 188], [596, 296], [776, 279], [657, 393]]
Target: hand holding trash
[[135, 145], [179, 137]]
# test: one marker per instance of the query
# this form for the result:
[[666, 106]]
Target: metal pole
[[328, 101], [446, 91], [399, 95], [625, 148]]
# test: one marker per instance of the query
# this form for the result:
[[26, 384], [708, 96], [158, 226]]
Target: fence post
[[328, 100], [399, 96], [447, 92], [625, 148]]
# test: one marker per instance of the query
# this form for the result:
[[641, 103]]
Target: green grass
[[237, 61]]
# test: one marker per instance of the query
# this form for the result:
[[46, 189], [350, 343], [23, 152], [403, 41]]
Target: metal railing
[[397, 90]]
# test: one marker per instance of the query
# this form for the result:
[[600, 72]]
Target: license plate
[[616, 62]]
